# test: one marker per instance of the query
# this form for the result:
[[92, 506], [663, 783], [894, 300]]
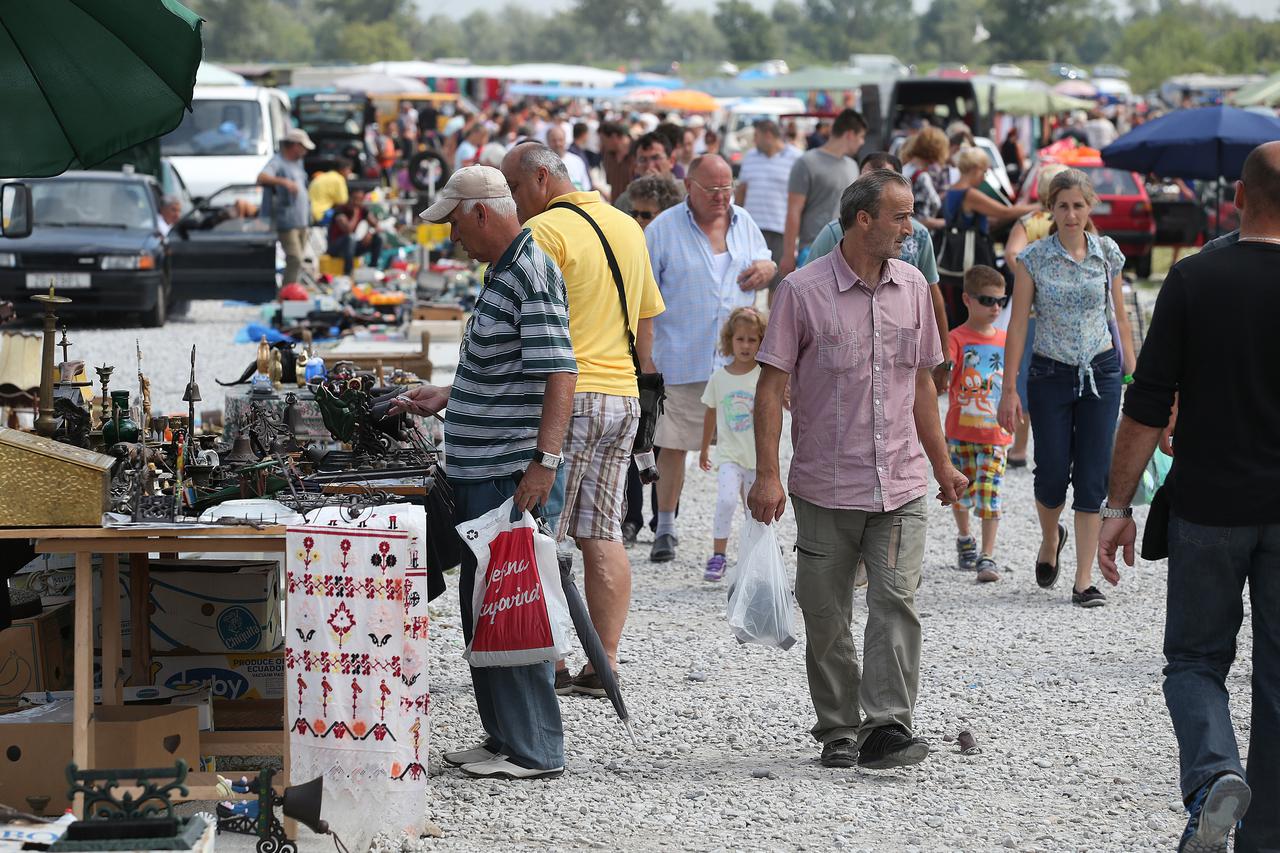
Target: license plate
[[1103, 208], [57, 280]]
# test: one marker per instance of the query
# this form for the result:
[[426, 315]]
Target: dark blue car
[[96, 237]]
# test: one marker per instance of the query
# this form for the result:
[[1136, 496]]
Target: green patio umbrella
[[81, 80]]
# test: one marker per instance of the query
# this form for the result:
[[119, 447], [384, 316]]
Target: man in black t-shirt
[[1213, 348]]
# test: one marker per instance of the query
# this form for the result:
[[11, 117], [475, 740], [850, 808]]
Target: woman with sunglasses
[[651, 195], [1074, 280]]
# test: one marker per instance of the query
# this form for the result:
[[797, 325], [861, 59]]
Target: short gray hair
[[866, 194], [170, 199], [502, 206], [535, 155]]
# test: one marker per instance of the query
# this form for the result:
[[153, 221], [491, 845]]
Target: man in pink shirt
[[854, 333]]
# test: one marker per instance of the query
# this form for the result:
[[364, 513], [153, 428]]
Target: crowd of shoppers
[[859, 342]]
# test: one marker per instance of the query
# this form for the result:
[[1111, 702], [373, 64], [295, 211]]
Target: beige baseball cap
[[301, 137], [471, 183]]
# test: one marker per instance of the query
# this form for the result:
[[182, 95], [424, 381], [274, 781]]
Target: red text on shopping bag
[[514, 615]]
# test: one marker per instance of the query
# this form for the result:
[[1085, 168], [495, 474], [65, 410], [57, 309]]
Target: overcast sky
[[461, 8]]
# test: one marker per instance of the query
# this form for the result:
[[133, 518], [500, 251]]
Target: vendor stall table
[[138, 543]]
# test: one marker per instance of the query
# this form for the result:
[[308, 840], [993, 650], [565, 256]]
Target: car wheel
[[428, 171], [1142, 265], [155, 318]]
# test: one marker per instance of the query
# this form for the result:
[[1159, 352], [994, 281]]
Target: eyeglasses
[[643, 215], [726, 190], [992, 301]]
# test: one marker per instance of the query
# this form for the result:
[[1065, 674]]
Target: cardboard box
[[201, 699], [36, 654], [35, 746], [208, 606], [255, 676]]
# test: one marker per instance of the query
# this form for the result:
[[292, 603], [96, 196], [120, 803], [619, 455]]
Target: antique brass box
[[44, 483]]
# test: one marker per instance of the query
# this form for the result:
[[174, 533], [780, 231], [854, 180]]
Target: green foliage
[[750, 35], [1161, 38]]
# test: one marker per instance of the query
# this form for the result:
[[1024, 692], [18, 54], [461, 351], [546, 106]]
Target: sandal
[[1047, 575]]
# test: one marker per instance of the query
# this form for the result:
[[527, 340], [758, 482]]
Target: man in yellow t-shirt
[[329, 189], [606, 405]]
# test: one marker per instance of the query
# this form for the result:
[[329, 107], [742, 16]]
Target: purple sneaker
[[715, 568]]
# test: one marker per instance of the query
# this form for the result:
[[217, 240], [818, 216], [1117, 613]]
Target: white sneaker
[[475, 755], [499, 767]]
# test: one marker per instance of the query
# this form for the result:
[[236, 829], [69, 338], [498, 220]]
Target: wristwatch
[[547, 460], [1115, 512]]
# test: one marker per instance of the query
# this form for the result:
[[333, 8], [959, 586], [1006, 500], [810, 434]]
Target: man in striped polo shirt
[[507, 412]]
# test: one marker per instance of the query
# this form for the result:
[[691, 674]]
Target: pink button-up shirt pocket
[[908, 355], [838, 351]]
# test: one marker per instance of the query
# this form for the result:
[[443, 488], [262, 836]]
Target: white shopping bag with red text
[[518, 608]]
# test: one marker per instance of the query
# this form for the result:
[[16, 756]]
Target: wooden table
[[138, 543]]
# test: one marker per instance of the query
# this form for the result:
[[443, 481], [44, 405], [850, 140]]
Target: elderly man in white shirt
[[558, 142]]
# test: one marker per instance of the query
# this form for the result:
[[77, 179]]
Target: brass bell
[[241, 452]]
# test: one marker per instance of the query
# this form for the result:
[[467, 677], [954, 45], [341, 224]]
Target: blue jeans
[[347, 248], [1208, 568], [517, 704], [1073, 429]]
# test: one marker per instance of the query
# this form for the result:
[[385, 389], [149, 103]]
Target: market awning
[[1263, 94], [812, 80], [687, 101]]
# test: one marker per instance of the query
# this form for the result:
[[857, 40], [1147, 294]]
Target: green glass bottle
[[122, 426]]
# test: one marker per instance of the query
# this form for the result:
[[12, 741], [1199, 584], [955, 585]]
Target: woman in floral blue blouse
[[1074, 280]]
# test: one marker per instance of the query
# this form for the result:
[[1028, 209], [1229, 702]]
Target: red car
[[1123, 212]]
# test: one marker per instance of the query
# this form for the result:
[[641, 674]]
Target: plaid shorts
[[983, 464], [597, 451]]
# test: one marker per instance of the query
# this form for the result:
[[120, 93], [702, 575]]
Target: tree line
[[1155, 39]]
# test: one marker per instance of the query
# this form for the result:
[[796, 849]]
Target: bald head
[[710, 186], [556, 140], [1261, 187], [711, 168]]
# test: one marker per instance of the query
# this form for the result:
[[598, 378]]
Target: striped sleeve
[[544, 315]]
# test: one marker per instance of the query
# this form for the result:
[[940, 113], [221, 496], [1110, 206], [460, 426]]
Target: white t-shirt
[[720, 265], [577, 171], [734, 399]]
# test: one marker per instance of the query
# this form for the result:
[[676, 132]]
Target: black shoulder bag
[[652, 390]]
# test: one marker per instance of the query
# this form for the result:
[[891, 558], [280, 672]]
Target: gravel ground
[[1078, 753]]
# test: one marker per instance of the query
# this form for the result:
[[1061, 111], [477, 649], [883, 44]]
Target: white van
[[228, 136]]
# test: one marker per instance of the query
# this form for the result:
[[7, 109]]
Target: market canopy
[[538, 72], [379, 84], [1265, 93], [1029, 98], [1204, 143], [92, 78], [687, 101], [215, 75], [814, 79]]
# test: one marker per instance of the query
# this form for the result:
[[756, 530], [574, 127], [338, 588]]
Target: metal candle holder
[[45, 424], [104, 376]]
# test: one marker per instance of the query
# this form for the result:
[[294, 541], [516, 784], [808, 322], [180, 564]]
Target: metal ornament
[[45, 424], [192, 395], [104, 376]]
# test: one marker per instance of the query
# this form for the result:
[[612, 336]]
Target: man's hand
[[535, 487], [787, 266], [767, 500], [1116, 534], [942, 377], [757, 276], [423, 400], [951, 484], [289, 185]]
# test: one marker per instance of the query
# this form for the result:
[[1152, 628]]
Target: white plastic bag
[[519, 612], [760, 599]]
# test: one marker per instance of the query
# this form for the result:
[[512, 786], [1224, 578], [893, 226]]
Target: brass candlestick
[[45, 424], [104, 376]]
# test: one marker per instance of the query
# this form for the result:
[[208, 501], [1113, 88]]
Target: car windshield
[[218, 127], [329, 113], [84, 203], [1108, 182]]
